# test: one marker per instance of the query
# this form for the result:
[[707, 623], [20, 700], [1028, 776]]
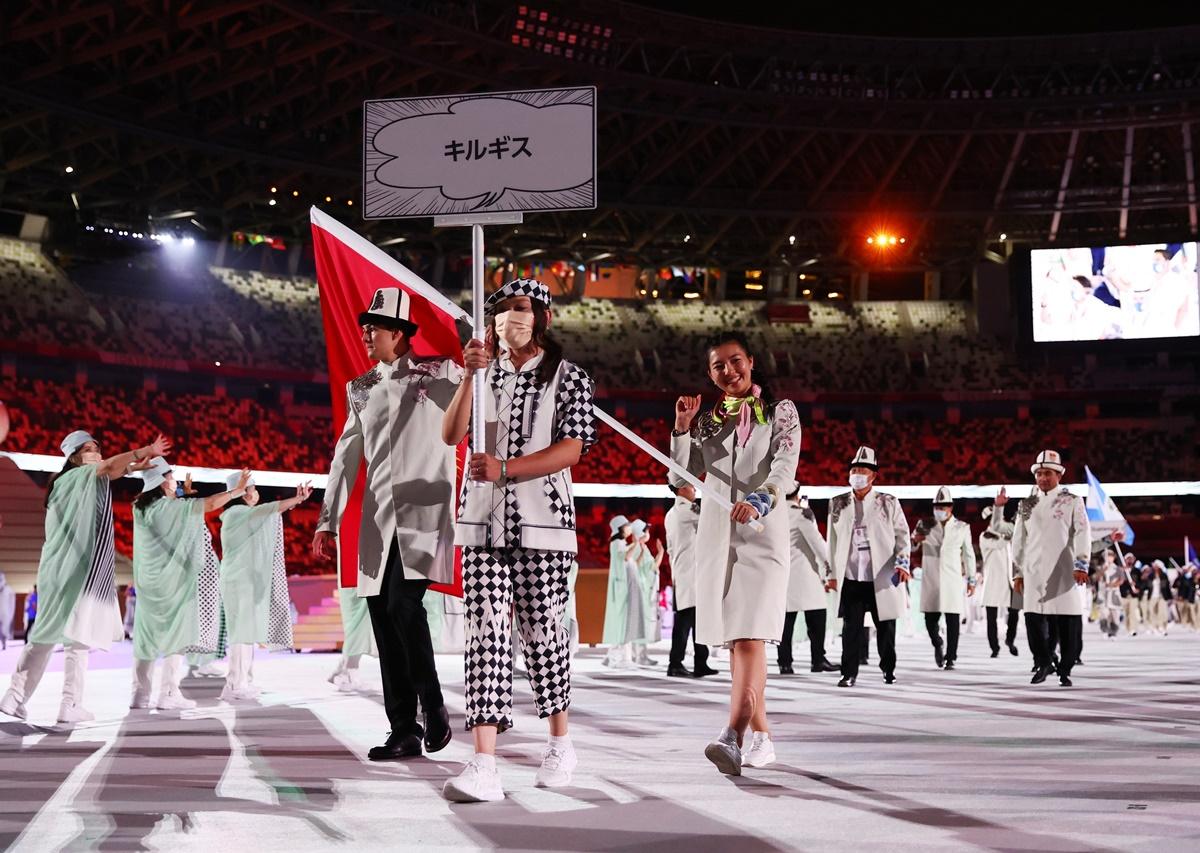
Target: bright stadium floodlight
[[188, 242]]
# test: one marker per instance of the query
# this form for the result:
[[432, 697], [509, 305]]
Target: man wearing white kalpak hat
[[811, 577], [76, 582], [406, 537], [1051, 547], [869, 548], [947, 560]]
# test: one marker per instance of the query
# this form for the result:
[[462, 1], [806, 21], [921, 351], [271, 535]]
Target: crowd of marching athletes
[[747, 554]]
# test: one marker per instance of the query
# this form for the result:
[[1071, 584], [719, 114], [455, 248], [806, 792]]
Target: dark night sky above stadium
[[934, 20]]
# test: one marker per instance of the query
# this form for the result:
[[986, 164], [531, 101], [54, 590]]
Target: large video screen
[[1115, 292]]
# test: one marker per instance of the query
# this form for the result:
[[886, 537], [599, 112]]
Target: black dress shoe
[[437, 729], [826, 666], [1041, 675], [939, 657], [702, 671], [889, 678], [677, 671], [846, 681], [397, 745], [1079, 661], [1012, 649], [995, 653], [1064, 680], [786, 669], [1033, 668], [948, 665]]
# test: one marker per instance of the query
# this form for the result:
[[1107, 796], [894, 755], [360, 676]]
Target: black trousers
[[405, 648], [1049, 632], [685, 625], [935, 636], [993, 632], [858, 599], [814, 623]]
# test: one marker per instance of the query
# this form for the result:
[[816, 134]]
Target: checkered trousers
[[531, 585]]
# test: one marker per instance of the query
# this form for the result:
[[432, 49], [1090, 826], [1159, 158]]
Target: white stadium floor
[[975, 759]]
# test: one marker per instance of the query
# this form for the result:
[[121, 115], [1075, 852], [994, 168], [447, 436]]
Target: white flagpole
[[663, 459]]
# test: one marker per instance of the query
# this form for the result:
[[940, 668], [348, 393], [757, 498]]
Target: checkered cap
[[530, 287]]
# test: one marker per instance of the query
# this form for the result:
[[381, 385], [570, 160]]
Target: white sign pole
[[478, 405]]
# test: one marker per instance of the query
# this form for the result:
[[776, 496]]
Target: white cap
[[232, 480], [617, 523], [155, 475], [639, 527], [1048, 459], [942, 498], [74, 441]]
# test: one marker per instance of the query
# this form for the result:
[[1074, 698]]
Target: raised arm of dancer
[[214, 502], [133, 460]]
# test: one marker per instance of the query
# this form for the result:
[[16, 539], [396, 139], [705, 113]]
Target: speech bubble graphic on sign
[[505, 151]]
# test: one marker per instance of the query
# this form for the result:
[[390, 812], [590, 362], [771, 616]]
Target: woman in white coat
[[947, 570], [995, 544], [747, 446]]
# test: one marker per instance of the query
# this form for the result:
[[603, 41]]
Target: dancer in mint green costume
[[176, 573], [77, 592], [254, 588]]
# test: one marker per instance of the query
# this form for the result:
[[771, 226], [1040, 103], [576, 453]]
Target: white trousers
[[31, 666]]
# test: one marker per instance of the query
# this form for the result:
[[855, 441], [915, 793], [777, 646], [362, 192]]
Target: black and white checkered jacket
[[523, 418]]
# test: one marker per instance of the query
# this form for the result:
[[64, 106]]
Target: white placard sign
[[469, 154]]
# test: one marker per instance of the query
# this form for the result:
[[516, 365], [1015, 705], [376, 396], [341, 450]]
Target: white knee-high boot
[[31, 666], [75, 664], [170, 698]]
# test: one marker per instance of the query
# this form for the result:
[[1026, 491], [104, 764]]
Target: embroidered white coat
[[809, 562], [947, 560], [742, 575], [1051, 540], [997, 561], [887, 534], [394, 422], [681, 524]]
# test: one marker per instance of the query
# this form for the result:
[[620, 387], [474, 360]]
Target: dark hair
[[1084, 281], [541, 336], [719, 340], [146, 500], [71, 463]]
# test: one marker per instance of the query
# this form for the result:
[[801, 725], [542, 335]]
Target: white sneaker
[[175, 701], [74, 714], [12, 706], [725, 753], [558, 763], [761, 752], [476, 784], [212, 669], [345, 682], [140, 703]]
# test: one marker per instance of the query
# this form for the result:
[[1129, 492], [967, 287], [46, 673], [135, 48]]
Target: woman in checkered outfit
[[516, 526]]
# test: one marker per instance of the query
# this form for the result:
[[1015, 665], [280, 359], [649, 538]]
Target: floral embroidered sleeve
[[785, 452]]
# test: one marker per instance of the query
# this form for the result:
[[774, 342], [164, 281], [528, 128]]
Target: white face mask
[[941, 514], [859, 481], [514, 329]]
